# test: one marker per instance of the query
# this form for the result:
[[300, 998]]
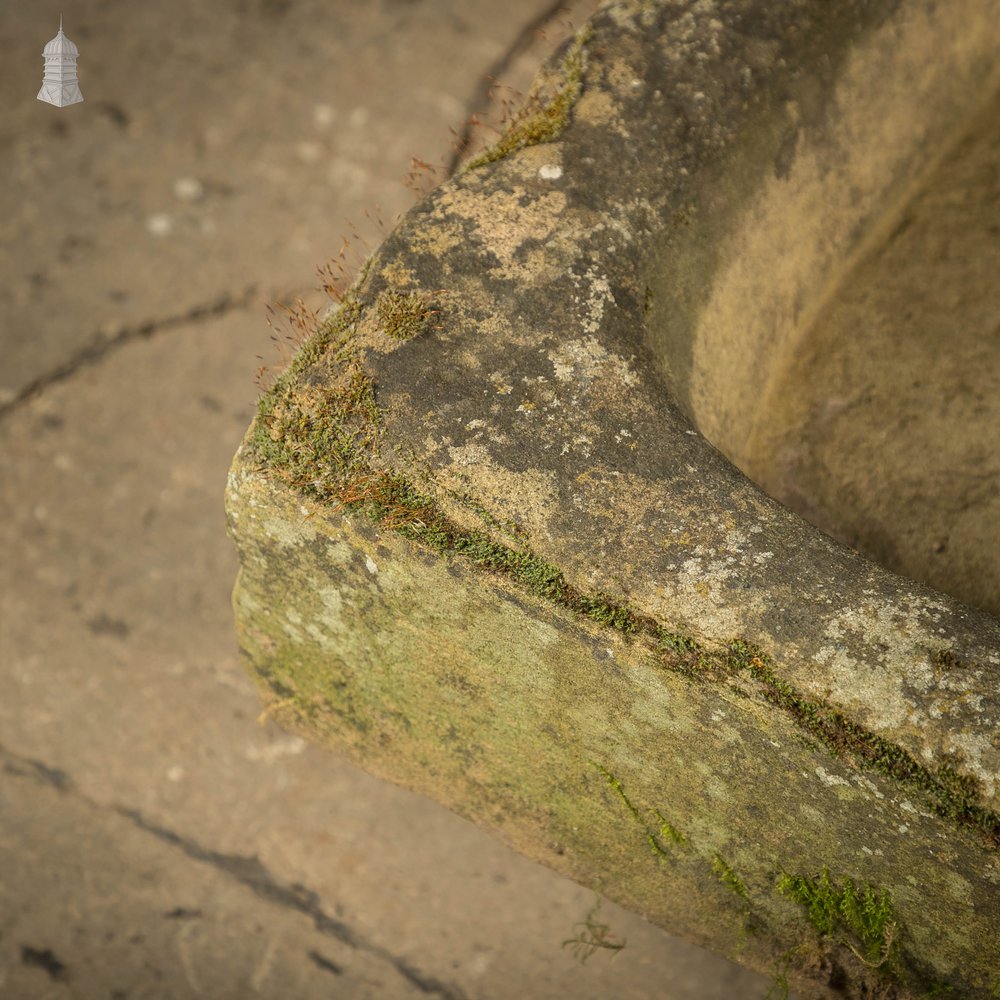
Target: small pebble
[[160, 225], [550, 172], [323, 115], [309, 152], [188, 188]]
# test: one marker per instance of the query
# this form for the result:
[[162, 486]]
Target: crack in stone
[[99, 346], [27, 767], [248, 871]]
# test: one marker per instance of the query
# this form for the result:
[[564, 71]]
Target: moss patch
[[319, 419], [728, 877], [403, 315], [664, 832], [862, 919], [543, 121], [946, 792]]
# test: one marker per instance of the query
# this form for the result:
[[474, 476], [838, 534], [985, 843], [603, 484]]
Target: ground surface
[[155, 839]]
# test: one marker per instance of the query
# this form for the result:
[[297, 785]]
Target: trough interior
[[859, 385], [883, 426]]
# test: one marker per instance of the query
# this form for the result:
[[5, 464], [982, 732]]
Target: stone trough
[[507, 527]]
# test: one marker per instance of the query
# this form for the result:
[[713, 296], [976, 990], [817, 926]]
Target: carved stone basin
[[492, 547]]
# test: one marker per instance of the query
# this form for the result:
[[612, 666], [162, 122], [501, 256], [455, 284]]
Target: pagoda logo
[[60, 86]]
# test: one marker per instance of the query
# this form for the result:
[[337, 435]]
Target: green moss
[[543, 122], [319, 419], [676, 643], [863, 919], [779, 985], [600, 609], [665, 831], [403, 315], [668, 831], [728, 877]]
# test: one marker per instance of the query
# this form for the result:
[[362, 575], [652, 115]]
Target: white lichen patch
[[877, 663], [583, 361], [580, 443], [329, 607], [893, 639], [867, 784], [269, 753], [371, 565], [705, 576], [294, 532], [831, 779], [469, 454], [701, 589], [595, 296], [501, 383]]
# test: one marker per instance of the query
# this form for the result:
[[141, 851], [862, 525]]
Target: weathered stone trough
[[490, 551]]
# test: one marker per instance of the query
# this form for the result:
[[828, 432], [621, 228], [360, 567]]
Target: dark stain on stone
[[104, 624], [324, 963], [51, 421], [785, 156], [182, 913], [114, 113], [45, 959], [904, 223], [71, 244]]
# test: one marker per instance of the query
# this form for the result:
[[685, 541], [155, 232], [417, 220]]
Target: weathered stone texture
[[529, 585]]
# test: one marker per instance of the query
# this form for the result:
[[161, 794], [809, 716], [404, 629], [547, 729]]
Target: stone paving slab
[[185, 921]]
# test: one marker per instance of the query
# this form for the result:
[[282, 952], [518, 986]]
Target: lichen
[[543, 121]]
